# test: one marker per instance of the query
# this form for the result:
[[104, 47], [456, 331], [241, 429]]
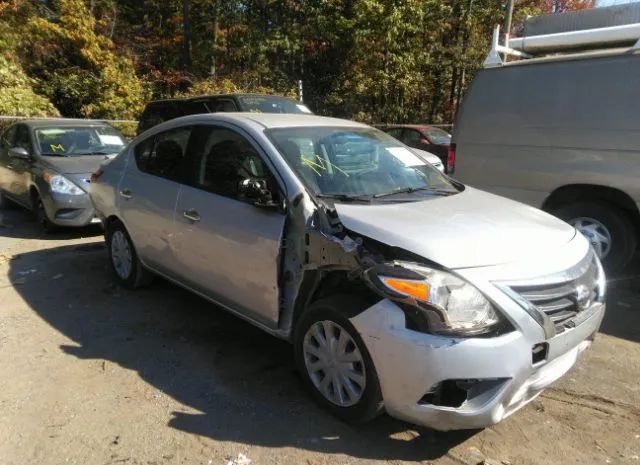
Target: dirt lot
[[93, 374]]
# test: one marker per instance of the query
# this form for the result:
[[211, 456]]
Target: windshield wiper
[[409, 190], [346, 197]]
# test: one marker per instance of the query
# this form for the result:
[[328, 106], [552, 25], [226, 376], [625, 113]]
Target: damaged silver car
[[401, 289]]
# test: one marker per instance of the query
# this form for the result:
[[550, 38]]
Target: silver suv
[[400, 288]]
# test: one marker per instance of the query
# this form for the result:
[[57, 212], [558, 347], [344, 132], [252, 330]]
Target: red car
[[424, 137]]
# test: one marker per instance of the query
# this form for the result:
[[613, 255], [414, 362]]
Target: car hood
[[74, 165], [465, 230]]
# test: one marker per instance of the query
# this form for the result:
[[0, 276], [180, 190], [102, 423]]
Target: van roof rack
[[565, 33]]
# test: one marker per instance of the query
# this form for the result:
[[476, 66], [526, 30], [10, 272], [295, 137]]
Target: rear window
[[438, 136], [269, 104]]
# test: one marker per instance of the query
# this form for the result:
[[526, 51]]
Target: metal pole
[[300, 90], [507, 24]]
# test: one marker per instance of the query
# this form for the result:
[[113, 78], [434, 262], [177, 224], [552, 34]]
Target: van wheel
[[126, 266], [40, 215], [606, 227], [334, 362]]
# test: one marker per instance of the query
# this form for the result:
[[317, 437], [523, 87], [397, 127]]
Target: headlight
[[62, 185], [447, 303]]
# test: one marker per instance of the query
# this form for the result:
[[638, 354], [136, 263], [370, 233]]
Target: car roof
[[268, 120], [412, 126], [61, 122]]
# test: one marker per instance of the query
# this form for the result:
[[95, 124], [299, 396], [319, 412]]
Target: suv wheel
[[126, 266], [334, 362], [40, 215], [606, 227]]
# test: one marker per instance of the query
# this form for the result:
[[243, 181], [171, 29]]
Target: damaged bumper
[[449, 383]]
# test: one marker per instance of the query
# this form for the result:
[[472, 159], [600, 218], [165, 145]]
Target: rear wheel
[[606, 227], [334, 361], [126, 266]]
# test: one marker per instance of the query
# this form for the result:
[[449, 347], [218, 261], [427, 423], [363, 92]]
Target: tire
[[597, 219], [4, 201], [123, 259], [331, 315], [40, 215]]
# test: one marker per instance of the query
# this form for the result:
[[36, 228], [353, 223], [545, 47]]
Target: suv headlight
[[61, 185], [434, 300]]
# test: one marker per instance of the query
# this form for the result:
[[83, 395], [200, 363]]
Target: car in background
[[159, 111], [46, 166], [400, 288], [424, 137]]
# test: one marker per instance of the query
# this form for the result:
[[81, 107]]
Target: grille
[[563, 297]]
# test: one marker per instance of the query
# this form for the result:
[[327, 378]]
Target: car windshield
[[268, 104], [357, 163], [68, 141], [438, 136]]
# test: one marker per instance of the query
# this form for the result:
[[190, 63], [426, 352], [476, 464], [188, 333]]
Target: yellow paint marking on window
[[55, 148]]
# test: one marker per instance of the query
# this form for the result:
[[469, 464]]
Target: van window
[[9, 137]]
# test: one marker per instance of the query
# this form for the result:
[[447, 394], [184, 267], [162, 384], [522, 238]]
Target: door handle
[[126, 193], [191, 215]]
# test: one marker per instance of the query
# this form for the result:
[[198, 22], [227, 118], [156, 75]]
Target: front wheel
[[334, 362], [606, 227], [41, 216], [126, 266]]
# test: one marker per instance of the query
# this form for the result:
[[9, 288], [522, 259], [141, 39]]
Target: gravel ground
[[94, 374]]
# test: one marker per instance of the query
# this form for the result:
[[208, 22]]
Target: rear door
[[148, 193], [225, 247]]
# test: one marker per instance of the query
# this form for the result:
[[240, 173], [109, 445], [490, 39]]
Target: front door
[[226, 247], [148, 193]]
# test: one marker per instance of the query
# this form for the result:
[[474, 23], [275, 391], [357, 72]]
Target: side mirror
[[19, 152], [257, 192]]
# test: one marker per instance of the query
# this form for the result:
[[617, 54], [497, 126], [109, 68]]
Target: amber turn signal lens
[[419, 290]]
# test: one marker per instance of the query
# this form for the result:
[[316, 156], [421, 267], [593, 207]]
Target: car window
[[272, 104], [71, 141], [195, 107], [394, 132], [412, 137], [9, 137], [164, 154], [438, 136], [222, 159], [23, 139], [159, 113], [347, 161], [223, 105]]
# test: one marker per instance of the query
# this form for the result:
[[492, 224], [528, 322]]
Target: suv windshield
[[268, 104], [357, 163], [79, 140]]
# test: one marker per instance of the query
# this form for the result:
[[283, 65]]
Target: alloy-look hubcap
[[596, 233], [121, 256], [334, 363]]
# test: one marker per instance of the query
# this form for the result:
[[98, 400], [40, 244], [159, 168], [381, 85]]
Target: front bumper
[[410, 364], [69, 210]]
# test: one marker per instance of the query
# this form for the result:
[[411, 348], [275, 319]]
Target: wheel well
[[589, 192], [110, 221], [319, 284], [33, 192]]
